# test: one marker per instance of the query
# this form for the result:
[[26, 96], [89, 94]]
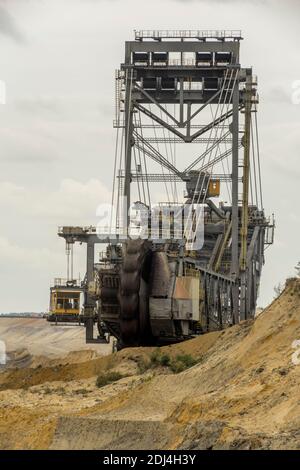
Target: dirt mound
[[243, 392], [119, 434], [19, 358], [42, 338]]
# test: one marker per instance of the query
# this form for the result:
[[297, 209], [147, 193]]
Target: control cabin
[[65, 301]]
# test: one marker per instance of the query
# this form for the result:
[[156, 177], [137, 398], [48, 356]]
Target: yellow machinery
[[214, 188], [65, 301]]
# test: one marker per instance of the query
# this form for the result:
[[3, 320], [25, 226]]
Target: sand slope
[[243, 393], [40, 337]]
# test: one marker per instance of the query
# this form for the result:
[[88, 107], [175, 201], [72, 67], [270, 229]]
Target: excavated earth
[[243, 393]]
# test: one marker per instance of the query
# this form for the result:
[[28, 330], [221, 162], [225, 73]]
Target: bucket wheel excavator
[[187, 135]]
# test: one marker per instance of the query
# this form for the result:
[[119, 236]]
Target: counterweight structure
[[180, 260]]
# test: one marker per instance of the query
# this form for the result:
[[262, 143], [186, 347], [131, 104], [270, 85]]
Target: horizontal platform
[[177, 140], [169, 177]]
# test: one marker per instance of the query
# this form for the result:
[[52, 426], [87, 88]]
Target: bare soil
[[243, 393]]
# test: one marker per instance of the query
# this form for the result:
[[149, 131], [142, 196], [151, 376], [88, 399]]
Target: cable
[[162, 168], [170, 138], [227, 184], [226, 113], [211, 131], [137, 173], [216, 131], [254, 164], [141, 166], [167, 157], [144, 157], [258, 158], [114, 177]]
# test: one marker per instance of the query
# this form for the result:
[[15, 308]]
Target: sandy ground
[[243, 393], [29, 340]]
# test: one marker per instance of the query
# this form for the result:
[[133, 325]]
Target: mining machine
[[184, 241]]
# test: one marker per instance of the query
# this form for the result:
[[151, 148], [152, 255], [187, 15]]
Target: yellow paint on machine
[[214, 188], [64, 301]]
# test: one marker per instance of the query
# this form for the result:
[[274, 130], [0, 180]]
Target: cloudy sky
[[57, 59]]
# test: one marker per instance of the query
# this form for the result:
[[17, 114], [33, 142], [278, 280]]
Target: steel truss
[[151, 81]]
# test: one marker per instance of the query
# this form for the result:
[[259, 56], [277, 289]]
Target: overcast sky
[[57, 58]]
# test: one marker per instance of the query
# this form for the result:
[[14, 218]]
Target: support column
[[128, 142], [244, 222], [89, 302], [235, 200], [181, 104]]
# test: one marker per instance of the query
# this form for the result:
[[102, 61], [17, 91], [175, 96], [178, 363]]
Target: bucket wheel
[[135, 329]]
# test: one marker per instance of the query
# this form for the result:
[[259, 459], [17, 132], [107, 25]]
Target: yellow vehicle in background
[[65, 301]]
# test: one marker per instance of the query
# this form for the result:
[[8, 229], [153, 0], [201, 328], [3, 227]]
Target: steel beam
[[235, 200], [128, 140], [89, 302]]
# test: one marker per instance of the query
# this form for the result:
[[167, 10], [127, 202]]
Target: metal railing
[[64, 282], [159, 177], [69, 230], [188, 34], [142, 232], [183, 62], [269, 235], [121, 123]]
